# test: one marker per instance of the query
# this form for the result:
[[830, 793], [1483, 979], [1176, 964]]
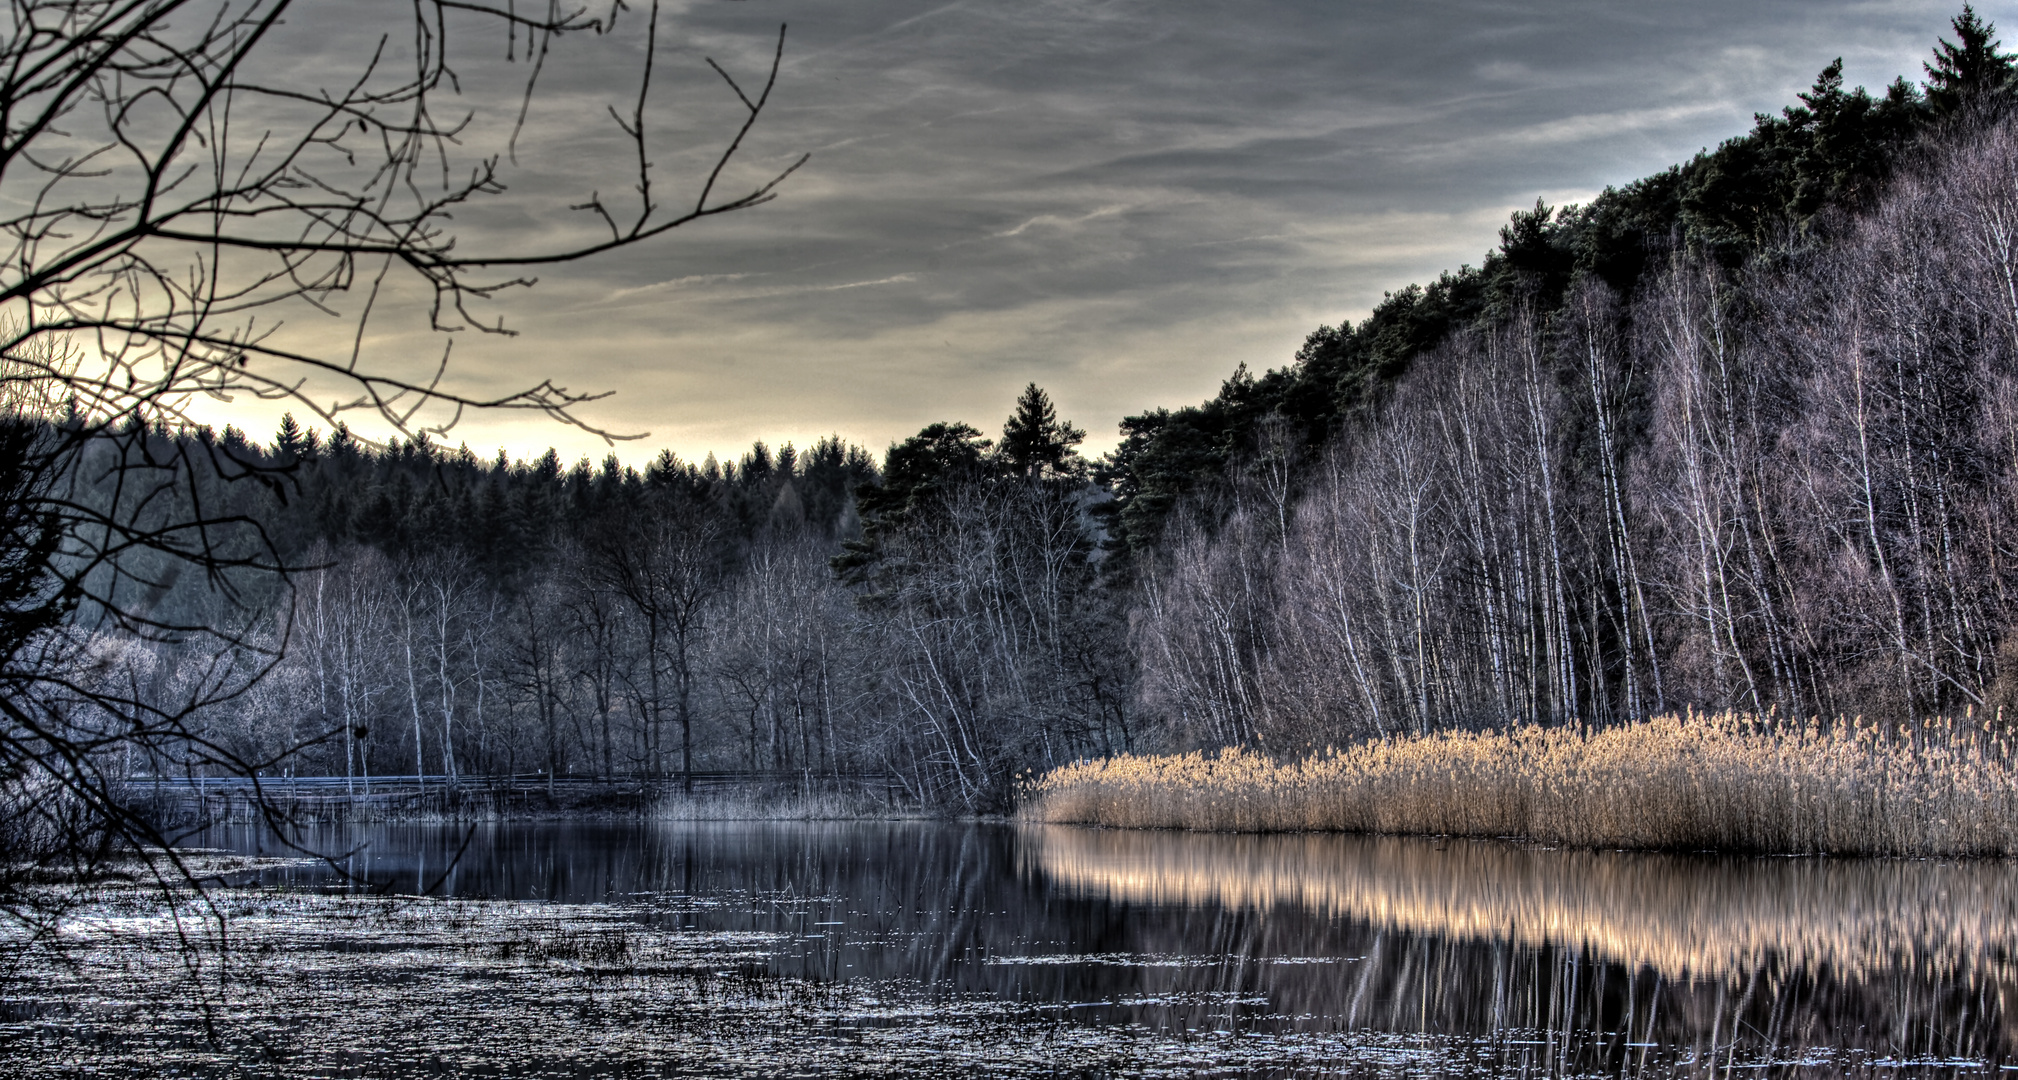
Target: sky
[[1119, 201]]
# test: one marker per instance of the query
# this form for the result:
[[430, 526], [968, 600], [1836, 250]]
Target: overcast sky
[[1119, 201]]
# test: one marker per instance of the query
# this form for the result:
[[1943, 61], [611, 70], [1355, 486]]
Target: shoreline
[[1728, 784], [476, 803]]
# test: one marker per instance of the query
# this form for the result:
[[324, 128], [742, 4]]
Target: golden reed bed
[[1727, 782]]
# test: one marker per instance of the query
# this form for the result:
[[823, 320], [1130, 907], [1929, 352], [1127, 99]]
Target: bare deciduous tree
[[188, 209]]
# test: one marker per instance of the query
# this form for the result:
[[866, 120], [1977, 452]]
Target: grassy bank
[[1725, 782]]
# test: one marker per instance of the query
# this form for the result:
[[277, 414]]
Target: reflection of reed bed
[[1680, 915], [1725, 782]]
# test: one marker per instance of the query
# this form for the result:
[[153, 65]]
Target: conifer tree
[[1035, 439], [1969, 67], [287, 442]]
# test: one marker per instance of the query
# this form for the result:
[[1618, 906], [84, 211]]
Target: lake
[[901, 948]]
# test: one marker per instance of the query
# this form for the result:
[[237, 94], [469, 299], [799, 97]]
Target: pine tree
[[1968, 68], [1035, 439], [287, 442]]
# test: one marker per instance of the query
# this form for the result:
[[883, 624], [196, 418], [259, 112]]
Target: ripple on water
[[885, 950]]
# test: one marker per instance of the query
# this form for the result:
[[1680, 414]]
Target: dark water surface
[[1550, 961]]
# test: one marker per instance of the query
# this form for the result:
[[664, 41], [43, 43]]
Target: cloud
[[1057, 222], [686, 282], [1188, 185], [893, 279], [1583, 127]]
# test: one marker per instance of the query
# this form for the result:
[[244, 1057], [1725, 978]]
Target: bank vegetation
[[1728, 782]]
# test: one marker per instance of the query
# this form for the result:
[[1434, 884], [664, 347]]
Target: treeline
[[940, 618], [1743, 435]]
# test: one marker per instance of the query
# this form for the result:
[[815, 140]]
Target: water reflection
[[1508, 957], [1682, 916], [1612, 957]]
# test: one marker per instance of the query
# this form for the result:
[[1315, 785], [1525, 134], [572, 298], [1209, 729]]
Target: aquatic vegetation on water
[[392, 987], [1728, 782], [887, 950]]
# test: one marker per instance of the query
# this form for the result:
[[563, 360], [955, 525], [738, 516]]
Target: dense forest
[[1743, 434], [942, 617]]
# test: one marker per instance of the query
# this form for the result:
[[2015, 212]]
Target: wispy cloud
[[688, 282], [776, 291], [894, 279], [1056, 221]]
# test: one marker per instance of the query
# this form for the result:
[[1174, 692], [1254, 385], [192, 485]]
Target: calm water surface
[[1563, 961]]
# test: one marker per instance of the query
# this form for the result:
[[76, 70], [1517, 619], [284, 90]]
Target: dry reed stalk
[[1728, 781]]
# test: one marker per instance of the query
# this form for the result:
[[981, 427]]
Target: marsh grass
[[1728, 782]]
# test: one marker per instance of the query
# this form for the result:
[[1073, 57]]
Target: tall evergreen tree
[[1035, 440], [287, 442], [1968, 68]]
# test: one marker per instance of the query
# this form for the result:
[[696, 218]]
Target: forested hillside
[[1740, 435], [1766, 466]]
